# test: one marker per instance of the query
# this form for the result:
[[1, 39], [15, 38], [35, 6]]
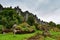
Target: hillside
[[15, 21], [10, 16]]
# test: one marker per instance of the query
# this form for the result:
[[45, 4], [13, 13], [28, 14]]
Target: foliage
[[58, 25], [26, 27], [52, 24], [1, 6], [1, 27], [31, 20], [9, 17]]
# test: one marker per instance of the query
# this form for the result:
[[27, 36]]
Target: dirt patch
[[36, 37]]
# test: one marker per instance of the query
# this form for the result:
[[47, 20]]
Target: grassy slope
[[15, 37], [10, 36], [25, 36], [54, 35]]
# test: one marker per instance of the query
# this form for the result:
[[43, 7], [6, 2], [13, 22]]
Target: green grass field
[[15, 37], [10, 36], [55, 36]]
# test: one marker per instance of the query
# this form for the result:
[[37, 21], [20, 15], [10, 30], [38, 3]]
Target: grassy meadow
[[10, 36], [15, 37]]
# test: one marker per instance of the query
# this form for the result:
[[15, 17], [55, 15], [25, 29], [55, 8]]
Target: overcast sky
[[47, 10]]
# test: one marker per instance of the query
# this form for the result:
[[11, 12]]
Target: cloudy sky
[[47, 10]]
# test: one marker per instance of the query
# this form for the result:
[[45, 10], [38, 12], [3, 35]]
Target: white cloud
[[52, 16]]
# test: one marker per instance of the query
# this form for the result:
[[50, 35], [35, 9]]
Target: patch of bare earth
[[36, 37]]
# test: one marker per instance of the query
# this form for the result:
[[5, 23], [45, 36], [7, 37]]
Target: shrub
[[30, 20], [26, 28], [1, 28]]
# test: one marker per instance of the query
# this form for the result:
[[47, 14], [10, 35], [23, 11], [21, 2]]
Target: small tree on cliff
[[52, 24], [30, 20]]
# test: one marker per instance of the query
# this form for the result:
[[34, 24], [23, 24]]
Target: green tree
[[58, 25], [1, 7], [9, 17], [30, 20], [52, 24]]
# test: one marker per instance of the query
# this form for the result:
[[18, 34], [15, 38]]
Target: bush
[[9, 17], [30, 20], [52, 24], [1, 28], [58, 26], [26, 28]]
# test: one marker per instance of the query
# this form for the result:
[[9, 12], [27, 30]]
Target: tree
[[8, 17], [1, 6], [30, 20], [52, 24], [1, 26], [58, 25]]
